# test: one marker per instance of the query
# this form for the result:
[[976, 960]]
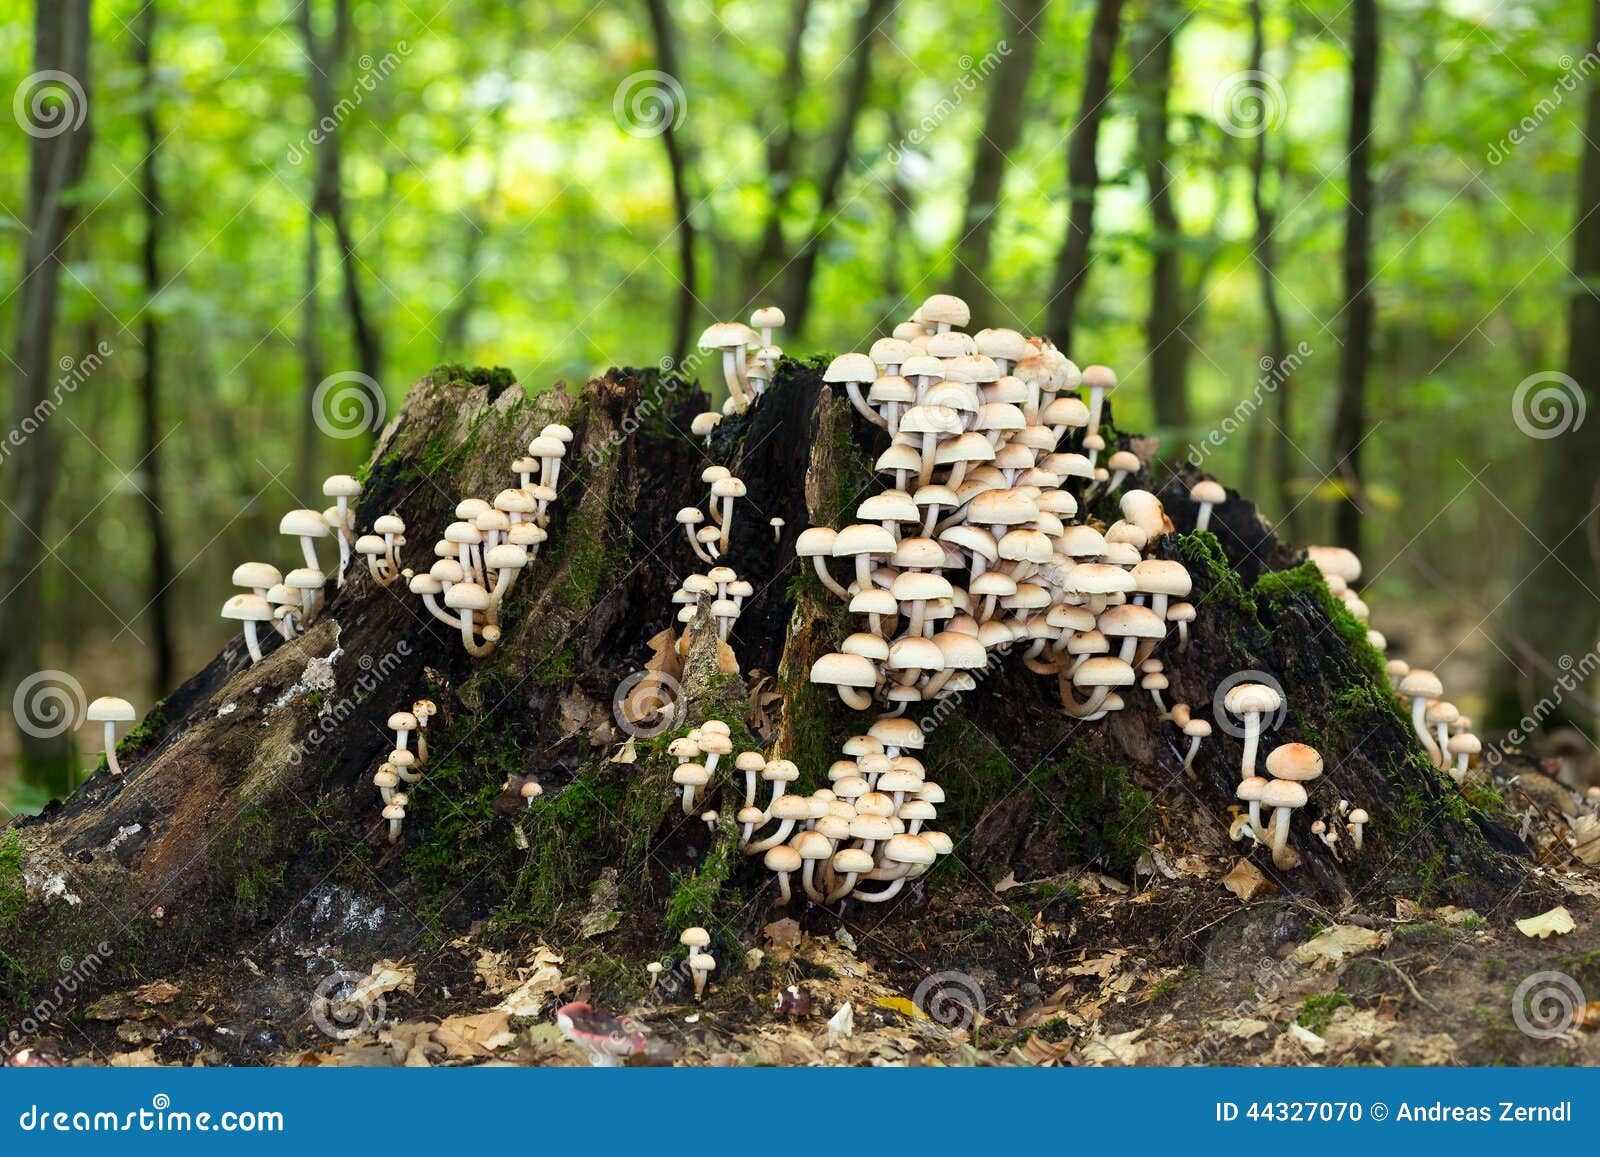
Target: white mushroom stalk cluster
[[863, 837], [289, 602], [977, 546], [108, 711], [726, 593], [1444, 732], [748, 360], [480, 556], [402, 767], [710, 538]]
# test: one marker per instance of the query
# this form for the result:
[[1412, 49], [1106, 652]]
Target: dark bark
[[1350, 416], [325, 59], [1554, 611], [228, 817], [1003, 118], [1166, 336], [794, 295], [1083, 174], [159, 606], [666, 44], [1266, 182], [57, 156]]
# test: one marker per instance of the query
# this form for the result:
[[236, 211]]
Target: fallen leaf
[[783, 933], [626, 753], [1556, 922], [841, 1025], [544, 981], [467, 1037], [901, 1005], [1242, 1028], [1306, 1039], [1586, 838], [1123, 1048], [1338, 943], [1246, 881]]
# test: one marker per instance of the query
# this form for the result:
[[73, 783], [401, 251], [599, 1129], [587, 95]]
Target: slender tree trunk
[[1264, 200], [1167, 343], [1083, 174], [58, 152], [1003, 119], [666, 37], [1553, 612], [781, 146], [160, 599], [324, 59], [795, 295], [1350, 418], [312, 366]]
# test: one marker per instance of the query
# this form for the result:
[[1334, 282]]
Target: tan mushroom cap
[[1296, 761], [838, 669], [782, 858], [1250, 790], [1420, 683], [1208, 490], [1248, 698], [256, 574], [1465, 744], [304, 524], [695, 937], [1283, 793], [402, 721], [1104, 671], [247, 608], [1359, 816], [897, 732], [1162, 576], [851, 368]]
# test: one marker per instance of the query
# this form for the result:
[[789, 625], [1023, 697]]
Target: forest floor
[[1199, 960]]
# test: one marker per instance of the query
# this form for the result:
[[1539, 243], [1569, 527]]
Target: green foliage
[[1317, 1012]]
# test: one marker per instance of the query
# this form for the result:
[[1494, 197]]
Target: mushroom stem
[[469, 641], [1183, 636], [828, 580], [730, 356], [344, 548], [1203, 519], [856, 697], [1280, 836], [251, 641], [807, 882], [688, 799], [688, 529], [866, 411], [783, 886], [115, 768], [310, 552], [441, 614], [888, 893], [1252, 737], [1419, 708], [844, 887], [1194, 750], [394, 830], [772, 841]]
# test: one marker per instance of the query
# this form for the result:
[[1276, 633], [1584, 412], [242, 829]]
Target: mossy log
[[248, 789]]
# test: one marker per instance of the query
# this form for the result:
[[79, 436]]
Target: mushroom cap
[[695, 937], [394, 811], [1130, 620], [340, 486], [851, 368], [852, 860], [867, 645], [1335, 561], [1162, 576], [247, 608], [371, 544], [1251, 698], [110, 709], [944, 308], [691, 775], [256, 574], [791, 807], [466, 596], [867, 538], [1098, 578], [1464, 744], [873, 601], [726, 335], [780, 771], [1209, 491], [892, 781], [448, 570], [1197, 728], [505, 556], [703, 423], [304, 524], [463, 533], [1296, 761], [1283, 793], [729, 487], [909, 849], [402, 757], [702, 962], [782, 858], [1358, 816], [1420, 683], [305, 578], [715, 743], [898, 732], [402, 721], [871, 827], [812, 845], [1441, 711], [752, 761], [1099, 377], [751, 815], [1104, 671]]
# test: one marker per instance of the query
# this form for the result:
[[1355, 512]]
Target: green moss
[[699, 893], [1202, 552], [13, 899], [1317, 1012], [1106, 819], [1422, 933], [256, 878], [1278, 588]]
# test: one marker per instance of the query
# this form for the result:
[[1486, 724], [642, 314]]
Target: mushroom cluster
[[726, 592], [289, 602], [1444, 732], [977, 546], [710, 539], [748, 359], [477, 561], [402, 767]]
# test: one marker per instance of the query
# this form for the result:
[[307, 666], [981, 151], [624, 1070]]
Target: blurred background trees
[[1324, 245]]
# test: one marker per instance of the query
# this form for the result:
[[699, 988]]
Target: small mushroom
[[1420, 685], [702, 965], [1463, 747], [777, 525], [1209, 494], [249, 610], [783, 859], [307, 526], [1251, 701], [1197, 730], [1357, 821], [690, 776], [1283, 796], [111, 711]]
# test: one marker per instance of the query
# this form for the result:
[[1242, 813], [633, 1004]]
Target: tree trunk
[[1278, 371], [160, 578], [782, 169], [1003, 118], [1165, 336], [312, 367], [325, 57], [58, 151], [795, 292], [1350, 417], [666, 38], [247, 805], [1083, 174], [1554, 606]]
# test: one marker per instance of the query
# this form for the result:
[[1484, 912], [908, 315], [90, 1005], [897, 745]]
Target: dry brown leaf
[[156, 992], [1246, 881], [1338, 944], [543, 981], [1242, 1028], [469, 1037]]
